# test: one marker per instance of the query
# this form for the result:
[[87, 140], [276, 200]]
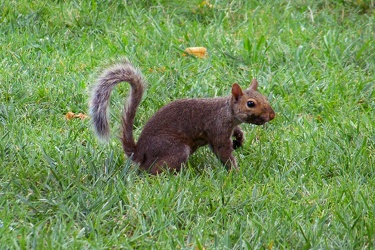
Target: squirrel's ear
[[254, 85], [236, 91]]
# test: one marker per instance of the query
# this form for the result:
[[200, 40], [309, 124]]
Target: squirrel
[[179, 128]]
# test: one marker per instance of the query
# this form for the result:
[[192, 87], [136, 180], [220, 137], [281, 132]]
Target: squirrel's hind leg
[[165, 154]]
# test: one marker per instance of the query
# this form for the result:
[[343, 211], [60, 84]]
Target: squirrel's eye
[[250, 104]]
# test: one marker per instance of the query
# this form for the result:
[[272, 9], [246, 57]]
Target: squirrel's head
[[249, 106]]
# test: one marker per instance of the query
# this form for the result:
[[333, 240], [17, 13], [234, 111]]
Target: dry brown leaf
[[200, 52], [82, 116], [70, 115]]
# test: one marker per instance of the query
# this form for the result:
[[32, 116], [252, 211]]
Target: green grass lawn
[[306, 179]]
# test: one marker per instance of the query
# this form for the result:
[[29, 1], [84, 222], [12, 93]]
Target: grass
[[306, 180]]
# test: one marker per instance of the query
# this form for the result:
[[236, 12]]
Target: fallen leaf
[[71, 115], [82, 116], [200, 52]]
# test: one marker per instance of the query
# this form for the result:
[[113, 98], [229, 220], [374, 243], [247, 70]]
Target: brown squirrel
[[176, 131]]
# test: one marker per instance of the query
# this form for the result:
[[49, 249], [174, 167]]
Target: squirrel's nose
[[272, 115]]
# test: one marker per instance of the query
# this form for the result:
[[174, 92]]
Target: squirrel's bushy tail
[[121, 72]]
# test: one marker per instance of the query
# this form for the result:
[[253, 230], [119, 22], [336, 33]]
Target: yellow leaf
[[200, 52]]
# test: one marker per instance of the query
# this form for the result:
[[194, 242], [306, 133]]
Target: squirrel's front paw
[[238, 141]]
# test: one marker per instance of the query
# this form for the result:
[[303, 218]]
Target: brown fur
[[180, 127]]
